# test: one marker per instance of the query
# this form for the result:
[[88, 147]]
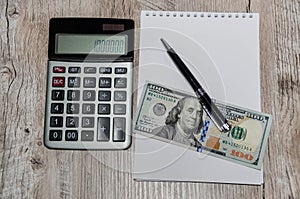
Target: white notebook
[[222, 51]]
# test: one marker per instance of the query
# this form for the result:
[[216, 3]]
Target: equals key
[[119, 129]]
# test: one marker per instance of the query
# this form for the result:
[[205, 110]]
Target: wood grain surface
[[29, 170]]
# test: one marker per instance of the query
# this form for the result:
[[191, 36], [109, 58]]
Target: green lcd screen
[[103, 44]]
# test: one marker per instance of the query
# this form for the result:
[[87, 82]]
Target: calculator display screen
[[103, 44]]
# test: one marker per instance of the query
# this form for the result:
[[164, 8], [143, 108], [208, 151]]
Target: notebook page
[[222, 51]]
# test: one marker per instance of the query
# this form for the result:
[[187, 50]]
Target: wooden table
[[29, 170]]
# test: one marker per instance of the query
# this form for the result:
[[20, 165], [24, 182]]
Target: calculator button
[[90, 70], [89, 82], [58, 82], [105, 70], [104, 109], [57, 108], [120, 82], [103, 129], [87, 135], [89, 95], [72, 122], [119, 129], [55, 135], [57, 94], [88, 108], [74, 69], [56, 121], [59, 69], [104, 96], [72, 108], [120, 96], [71, 135], [87, 122], [120, 70], [120, 109], [74, 82], [105, 82], [73, 95]]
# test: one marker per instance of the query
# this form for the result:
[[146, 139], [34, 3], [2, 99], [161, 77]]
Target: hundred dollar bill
[[177, 117]]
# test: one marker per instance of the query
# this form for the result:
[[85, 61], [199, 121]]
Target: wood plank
[[281, 95]]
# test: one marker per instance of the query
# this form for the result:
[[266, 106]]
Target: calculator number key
[[55, 135], [87, 122], [72, 122], [57, 108], [89, 95], [56, 121], [88, 108], [71, 135], [57, 95], [72, 108], [73, 95]]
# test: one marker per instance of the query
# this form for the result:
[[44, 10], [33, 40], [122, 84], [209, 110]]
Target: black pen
[[210, 108]]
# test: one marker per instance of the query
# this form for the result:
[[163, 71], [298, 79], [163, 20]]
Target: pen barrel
[[210, 108], [213, 112], [185, 71]]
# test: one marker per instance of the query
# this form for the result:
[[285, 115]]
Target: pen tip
[[167, 46]]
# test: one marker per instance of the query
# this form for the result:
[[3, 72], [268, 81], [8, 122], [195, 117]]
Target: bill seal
[[159, 109]]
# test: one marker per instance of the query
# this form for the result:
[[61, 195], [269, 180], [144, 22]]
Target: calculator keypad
[[89, 105]]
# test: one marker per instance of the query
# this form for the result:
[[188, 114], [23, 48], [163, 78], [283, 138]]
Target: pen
[[209, 107]]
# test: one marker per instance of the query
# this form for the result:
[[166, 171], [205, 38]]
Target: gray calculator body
[[90, 84]]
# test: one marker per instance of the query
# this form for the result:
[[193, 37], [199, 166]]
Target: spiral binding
[[198, 14]]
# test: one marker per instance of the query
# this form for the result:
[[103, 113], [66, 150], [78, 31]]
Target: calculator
[[89, 83]]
